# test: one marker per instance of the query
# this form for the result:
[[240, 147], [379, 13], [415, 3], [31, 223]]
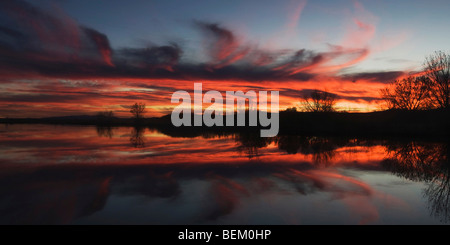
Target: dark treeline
[[427, 123], [403, 123]]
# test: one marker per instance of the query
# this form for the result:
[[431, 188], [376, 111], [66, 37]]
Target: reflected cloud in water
[[65, 175]]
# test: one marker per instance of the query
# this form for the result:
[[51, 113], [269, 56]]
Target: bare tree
[[319, 101], [138, 110], [105, 117], [105, 114], [437, 67], [411, 93]]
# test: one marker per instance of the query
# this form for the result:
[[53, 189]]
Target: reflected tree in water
[[105, 131], [428, 162], [137, 138], [290, 144], [438, 194], [321, 149], [413, 160], [104, 121], [251, 142]]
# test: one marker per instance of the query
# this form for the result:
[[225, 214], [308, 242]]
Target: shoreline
[[415, 124]]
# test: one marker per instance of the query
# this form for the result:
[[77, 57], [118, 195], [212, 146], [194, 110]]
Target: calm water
[[88, 175]]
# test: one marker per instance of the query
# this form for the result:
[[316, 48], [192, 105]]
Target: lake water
[[87, 175]]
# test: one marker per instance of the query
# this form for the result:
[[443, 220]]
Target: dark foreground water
[[88, 175]]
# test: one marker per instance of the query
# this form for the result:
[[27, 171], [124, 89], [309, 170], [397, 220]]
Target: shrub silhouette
[[319, 101], [138, 110]]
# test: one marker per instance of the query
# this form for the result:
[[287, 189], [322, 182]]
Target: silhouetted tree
[[105, 117], [106, 114], [292, 109], [138, 110], [319, 101], [437, 67], [411, 93]]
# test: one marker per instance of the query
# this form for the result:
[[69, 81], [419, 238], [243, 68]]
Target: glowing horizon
[[69, 58]]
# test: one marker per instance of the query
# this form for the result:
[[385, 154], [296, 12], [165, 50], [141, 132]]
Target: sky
[[76, 57]]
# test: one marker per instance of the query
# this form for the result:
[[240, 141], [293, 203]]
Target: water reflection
[[425, 162], [57, 195], [65, 175], [321, 149], [249, 143], [137, 138], [105, 131]]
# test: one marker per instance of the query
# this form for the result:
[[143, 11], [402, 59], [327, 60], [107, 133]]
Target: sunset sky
[[77, 57]]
